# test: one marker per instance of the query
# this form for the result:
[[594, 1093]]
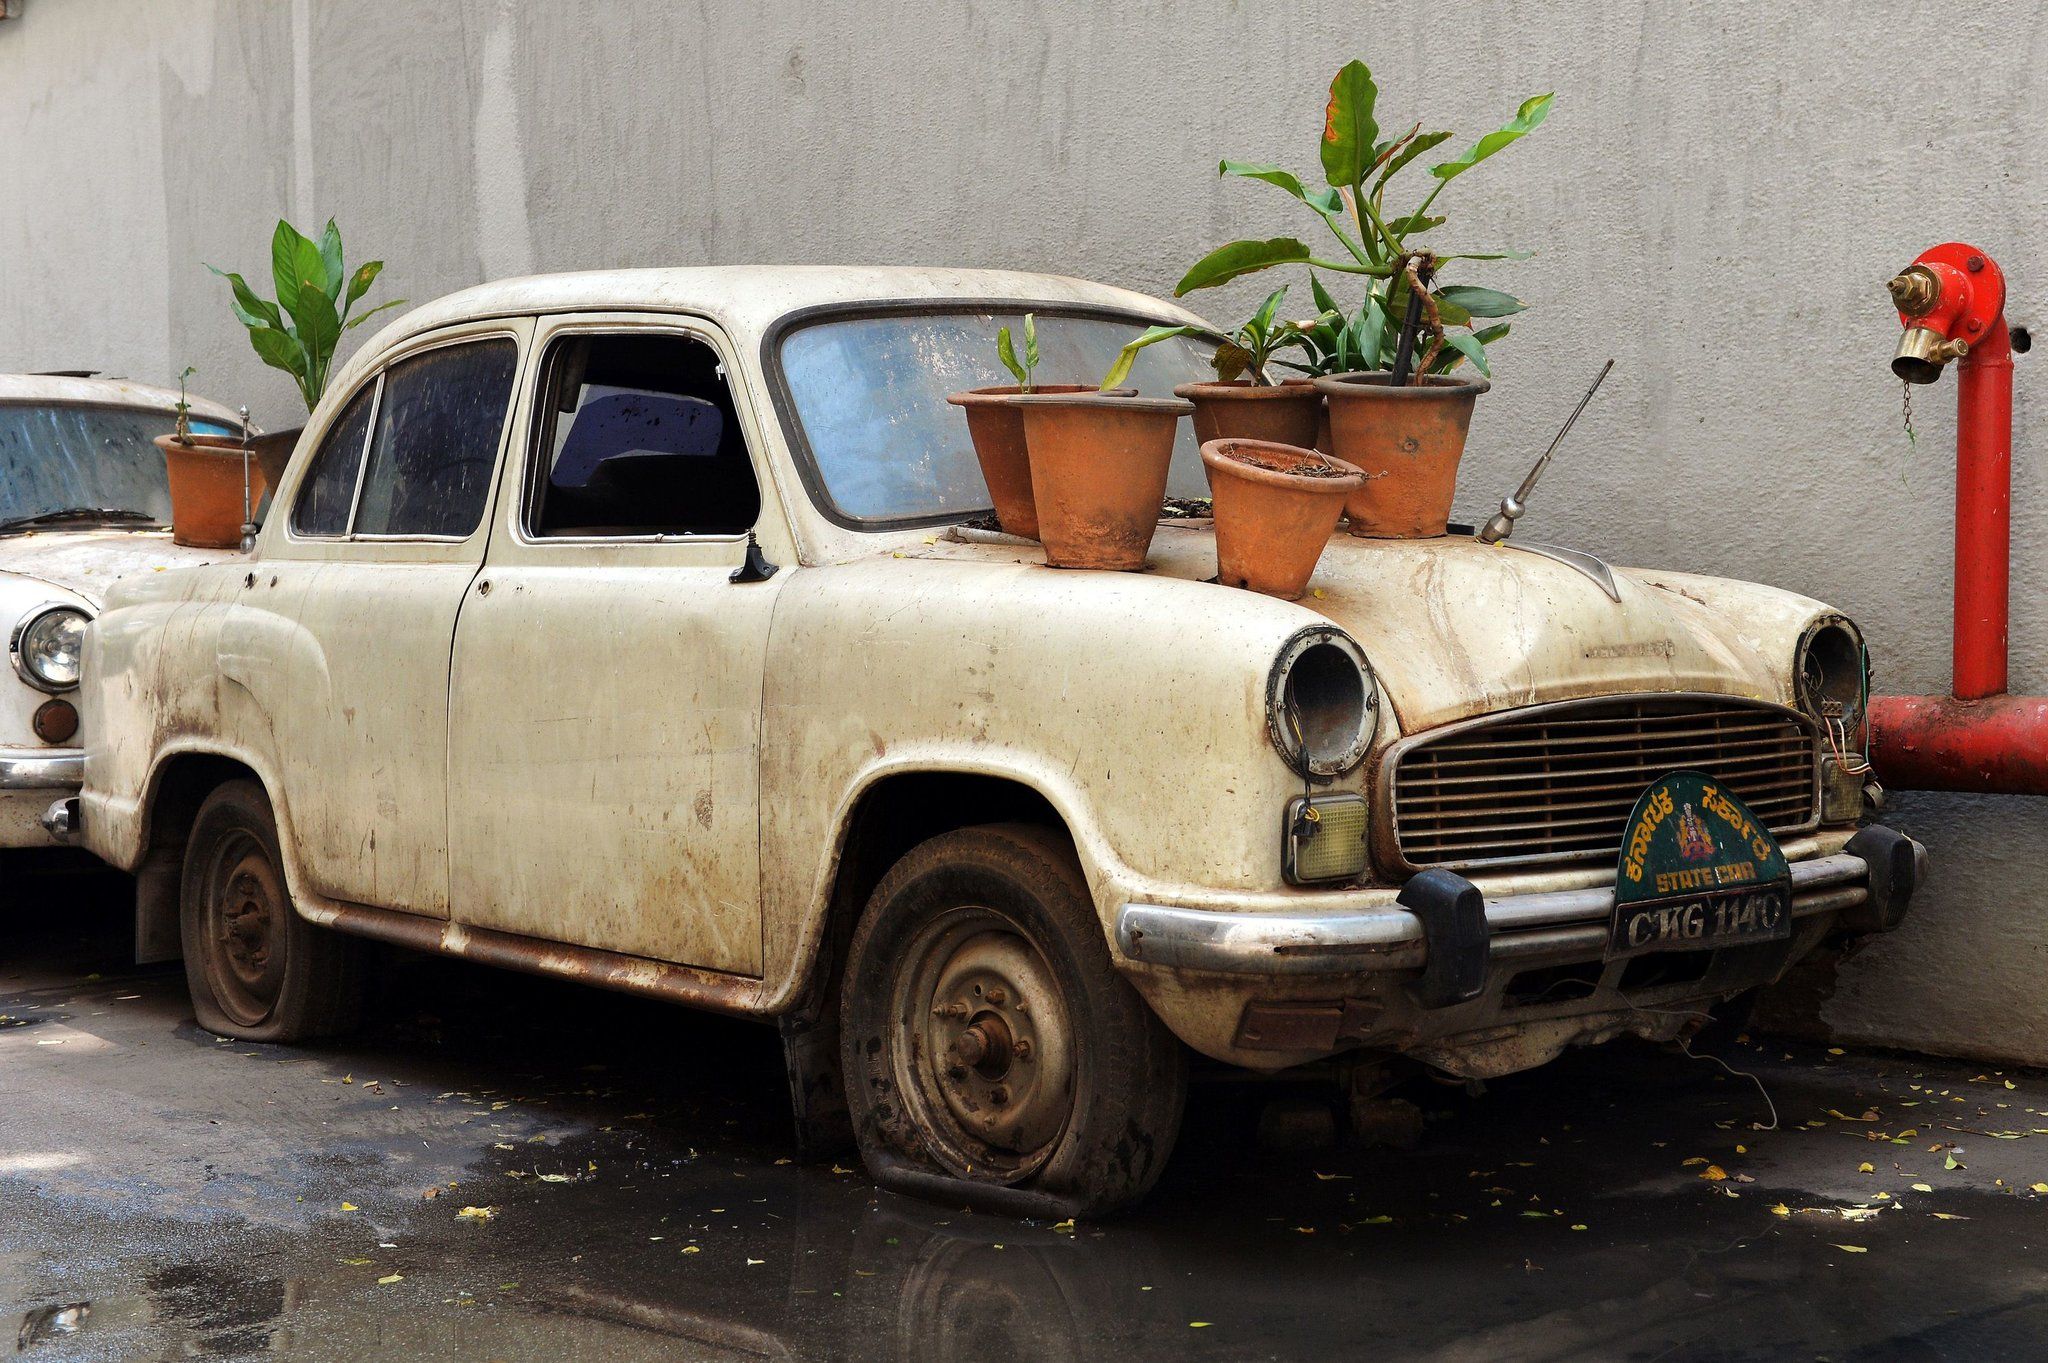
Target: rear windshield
[[63, 457], [884, 449]]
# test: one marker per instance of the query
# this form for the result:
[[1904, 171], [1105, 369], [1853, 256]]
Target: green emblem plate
[[1698, 871]]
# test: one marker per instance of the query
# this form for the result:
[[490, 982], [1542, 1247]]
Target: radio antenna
[[1511, 507]]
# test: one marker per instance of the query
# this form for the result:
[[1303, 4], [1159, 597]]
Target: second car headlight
[[1832, 674], [48, 645], [1322, 704]]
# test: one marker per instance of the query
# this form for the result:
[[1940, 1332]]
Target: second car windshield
[[870, 395], [60, 457]]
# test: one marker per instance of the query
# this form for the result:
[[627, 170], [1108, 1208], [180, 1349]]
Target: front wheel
[[988, 1040], [257, 971]]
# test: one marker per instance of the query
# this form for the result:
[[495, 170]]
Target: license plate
[[1702, 922], [1698, 871]]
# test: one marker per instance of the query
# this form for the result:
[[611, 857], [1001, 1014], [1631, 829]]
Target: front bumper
[[42, 769], [1870, 883]]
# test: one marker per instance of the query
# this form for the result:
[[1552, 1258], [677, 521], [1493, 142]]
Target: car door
[[386, 532], [603, 777]]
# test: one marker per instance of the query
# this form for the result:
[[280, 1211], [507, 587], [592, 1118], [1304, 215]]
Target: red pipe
[[1952, 304]]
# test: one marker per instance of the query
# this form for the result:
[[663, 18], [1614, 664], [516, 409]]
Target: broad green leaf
[[359, 283], [331, 276], [1416, 146], [1128, 356], [1226, 263], [1450, 314], [278, 350], [1479, 302], [1327, 202], [1030, 343], [250, 310], [1322, 295], [1413, 224], [318, 329], [1488, 335], [1007, 353], [1468, 345], [363, 317], [1349, 132], [1366, 332], [1532, 113], [292, 259]]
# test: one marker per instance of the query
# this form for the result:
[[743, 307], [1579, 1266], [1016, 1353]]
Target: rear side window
[[436, 442], [329, 489], [438, 419], [637, 435]]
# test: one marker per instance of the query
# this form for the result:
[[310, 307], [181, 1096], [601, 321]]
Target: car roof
[[25, 389], [749, 298]]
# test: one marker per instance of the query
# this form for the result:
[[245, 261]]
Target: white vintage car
[[635, 627], [83, 503]]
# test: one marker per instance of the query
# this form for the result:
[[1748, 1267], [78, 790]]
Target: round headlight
[[1322, 704], [1832, 671], [47, 647]]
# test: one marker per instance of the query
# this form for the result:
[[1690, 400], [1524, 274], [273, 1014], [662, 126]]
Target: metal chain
[[1906, 406]]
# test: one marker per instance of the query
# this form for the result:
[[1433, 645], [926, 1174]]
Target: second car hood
[[89, 561], [1456, 628]]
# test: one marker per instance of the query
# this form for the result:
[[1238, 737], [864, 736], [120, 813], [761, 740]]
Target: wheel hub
[[246, 904]]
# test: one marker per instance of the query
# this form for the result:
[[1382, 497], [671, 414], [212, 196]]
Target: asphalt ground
[[501, 1167]]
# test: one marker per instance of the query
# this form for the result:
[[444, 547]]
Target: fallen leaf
[[1929, 1187], [1780, 1209], [1714, 1173], [478, 1213], [390, 1278], [1198, 1325], [757, 1261], [1689, 1163], [1330, 1178], [689, 1249], [1853, 1249], [1949, 1161], [552, 1178], [357, 1263], [1949, 1216], [1866, 1168], [2041, 1187], [350, 1207]]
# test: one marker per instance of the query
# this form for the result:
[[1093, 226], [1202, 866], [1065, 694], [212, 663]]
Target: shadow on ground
[[612, 1179]]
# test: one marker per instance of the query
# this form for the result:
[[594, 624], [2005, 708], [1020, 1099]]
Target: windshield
[[63, 457], [869, 396]]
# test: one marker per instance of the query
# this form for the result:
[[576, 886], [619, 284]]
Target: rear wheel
[[257, 970], [988, 1039]]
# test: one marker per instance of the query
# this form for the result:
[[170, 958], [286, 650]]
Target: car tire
[[989, 1044], [258, 971]]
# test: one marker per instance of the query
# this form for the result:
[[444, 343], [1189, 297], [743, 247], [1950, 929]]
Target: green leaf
[[1468, 345], [1324, 201], [1413, 224], [1226, 263], [1349, 132], [1262, 320], [1450, 314], [1128, 356], [1322, 295], [250, 310], [330, 262], [363, 317], [1030, 344], [292, 259], [1007, 353], [318, 329], [1526, 119], [1415, 148], [278, 350], [1488, 335], [1368, 333], [1485, 255], [1478, 302], [359, 283]]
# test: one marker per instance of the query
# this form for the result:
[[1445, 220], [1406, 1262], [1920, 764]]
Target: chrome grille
[[1555, 783]]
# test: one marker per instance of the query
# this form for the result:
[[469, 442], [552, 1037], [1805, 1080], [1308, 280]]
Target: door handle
[[483, 587]]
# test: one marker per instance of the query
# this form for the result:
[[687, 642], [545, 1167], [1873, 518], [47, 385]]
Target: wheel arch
[[178, 786]]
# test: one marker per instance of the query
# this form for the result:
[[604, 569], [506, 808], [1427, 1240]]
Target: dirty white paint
[[1724, 238]]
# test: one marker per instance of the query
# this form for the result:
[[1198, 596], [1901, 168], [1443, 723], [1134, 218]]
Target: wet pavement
[[508, 1168]]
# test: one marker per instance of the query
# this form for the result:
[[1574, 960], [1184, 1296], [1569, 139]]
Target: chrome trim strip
[[42, 768], [1353, 943]]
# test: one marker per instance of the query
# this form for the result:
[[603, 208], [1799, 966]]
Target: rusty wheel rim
[[245, 908], [984, 1053]]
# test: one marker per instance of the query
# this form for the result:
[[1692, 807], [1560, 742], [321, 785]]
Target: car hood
[[89, 561], [1456, 628]]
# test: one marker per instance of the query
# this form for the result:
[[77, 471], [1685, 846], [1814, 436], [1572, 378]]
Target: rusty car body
[[758, 719]]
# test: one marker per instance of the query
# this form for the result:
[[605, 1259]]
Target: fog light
[[1325, 839], [55, 721]]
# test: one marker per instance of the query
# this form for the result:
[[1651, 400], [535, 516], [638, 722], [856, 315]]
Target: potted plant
[[1098, 470], [996, 426], [1248, 400], [1403, 426], [211, 481], [301, 329], [1275, 507]]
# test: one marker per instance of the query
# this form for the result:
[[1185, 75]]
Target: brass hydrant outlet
[[1915, 290], [1923, 352]]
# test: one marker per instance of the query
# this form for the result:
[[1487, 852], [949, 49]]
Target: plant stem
[[1346, 267]]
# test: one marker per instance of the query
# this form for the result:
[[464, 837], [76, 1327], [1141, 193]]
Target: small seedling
[[1007, 353], [184, 407]]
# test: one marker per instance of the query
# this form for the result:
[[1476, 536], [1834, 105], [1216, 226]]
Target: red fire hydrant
[[1951, 302]]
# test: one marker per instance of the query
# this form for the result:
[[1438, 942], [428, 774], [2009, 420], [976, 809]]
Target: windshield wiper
[[77, 513]]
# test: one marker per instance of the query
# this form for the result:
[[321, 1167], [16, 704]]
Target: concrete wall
[[1717, 201]]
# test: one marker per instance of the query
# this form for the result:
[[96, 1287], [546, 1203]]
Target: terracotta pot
[[1285, 412], [997, 428], [206, 489], [1407, 442], [1098, 473], [1272, 520]]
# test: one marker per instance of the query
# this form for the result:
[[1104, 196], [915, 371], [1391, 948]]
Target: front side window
[[637, 435], [438, 419], [869, 399]]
